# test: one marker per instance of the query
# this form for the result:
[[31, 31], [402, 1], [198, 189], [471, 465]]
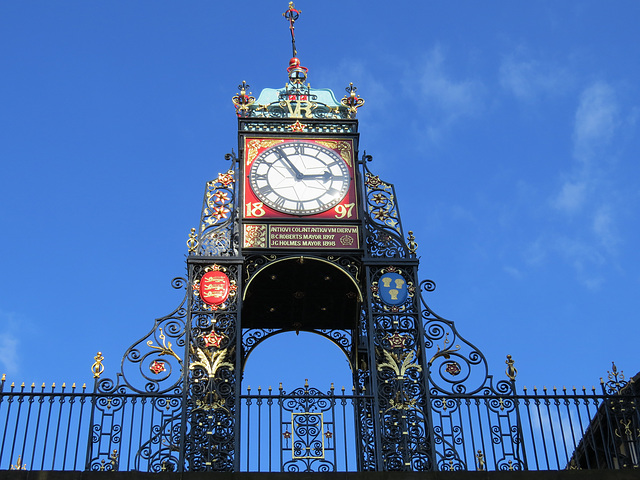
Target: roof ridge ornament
[[353, 101], [297, 100], [292, 15]]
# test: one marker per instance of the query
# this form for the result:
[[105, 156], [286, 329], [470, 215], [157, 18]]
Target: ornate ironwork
[[353, 101], [252, 337], [292, 15], [218, 233], [136, 372], [397, 354], [242, 100], [211, 397], [287, 126], [384, 237]]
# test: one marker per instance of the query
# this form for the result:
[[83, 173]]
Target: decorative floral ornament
[[225, 179], [220, 212], [380, 214], [379, 198], [352, 102], [396, 340], [297, 127], [242, 101], [373, 181], [453, 368], [157, 367], [213, 339], [220, 197]]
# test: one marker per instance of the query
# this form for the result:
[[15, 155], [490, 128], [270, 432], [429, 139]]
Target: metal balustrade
[[62, 428]]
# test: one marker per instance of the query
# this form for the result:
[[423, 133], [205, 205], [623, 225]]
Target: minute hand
[[289, 164]]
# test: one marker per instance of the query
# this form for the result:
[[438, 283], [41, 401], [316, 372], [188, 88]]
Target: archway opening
[[297, 408], [293, 359], [301, 293]]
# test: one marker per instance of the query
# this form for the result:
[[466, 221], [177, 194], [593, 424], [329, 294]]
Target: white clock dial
[[300, 178]]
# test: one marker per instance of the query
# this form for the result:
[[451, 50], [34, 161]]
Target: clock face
[[299, 178]]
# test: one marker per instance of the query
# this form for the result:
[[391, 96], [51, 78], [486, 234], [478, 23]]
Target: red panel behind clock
[[254, 209]]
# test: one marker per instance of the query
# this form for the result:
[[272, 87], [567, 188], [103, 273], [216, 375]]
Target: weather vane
[[292, 15]]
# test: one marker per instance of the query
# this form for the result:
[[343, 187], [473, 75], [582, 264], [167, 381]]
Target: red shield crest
[[214, 288]]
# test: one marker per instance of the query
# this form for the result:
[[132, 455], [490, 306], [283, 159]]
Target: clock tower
[[299, 235]]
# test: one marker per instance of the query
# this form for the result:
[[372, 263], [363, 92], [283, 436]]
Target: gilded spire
[[292, 15]]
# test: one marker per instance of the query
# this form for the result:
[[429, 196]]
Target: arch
[[280, 360], [333, 336], [303, 294]]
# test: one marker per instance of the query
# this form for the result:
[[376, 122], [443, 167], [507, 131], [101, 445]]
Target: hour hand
[[325, 177]]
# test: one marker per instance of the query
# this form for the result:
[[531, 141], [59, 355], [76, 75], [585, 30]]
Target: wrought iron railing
[[62, 428]]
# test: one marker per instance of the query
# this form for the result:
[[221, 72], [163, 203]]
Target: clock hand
[[289, 164], [325, 177]]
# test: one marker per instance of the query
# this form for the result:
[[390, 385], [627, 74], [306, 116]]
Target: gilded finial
[[353, 101], [19, 465], [480, 458], [413, 246], [192, 242], [511, 370], [292, 15], [97, 368], [242, 100], [114, 458]]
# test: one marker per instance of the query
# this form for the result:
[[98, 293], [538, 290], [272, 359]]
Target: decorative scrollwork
[[456, 366], [615, 381], [140, 367], [217, 223], [242, 101], [384, 237], [352, 102]]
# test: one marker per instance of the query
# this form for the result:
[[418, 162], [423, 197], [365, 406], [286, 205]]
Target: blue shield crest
[[392, 288]]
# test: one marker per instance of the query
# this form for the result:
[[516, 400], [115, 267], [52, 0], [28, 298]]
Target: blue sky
[[510, 130]]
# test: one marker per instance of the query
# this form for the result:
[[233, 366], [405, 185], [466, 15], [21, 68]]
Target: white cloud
[[572, 196], [591, 238], [526, 79], [513, 272], [595, 121], [454, 98], [444, 98], [605, 229]]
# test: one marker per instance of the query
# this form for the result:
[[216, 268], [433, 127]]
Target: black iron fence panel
[[44, 430], [135, 432], [73, 429], [303, 431], [306, 430]]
